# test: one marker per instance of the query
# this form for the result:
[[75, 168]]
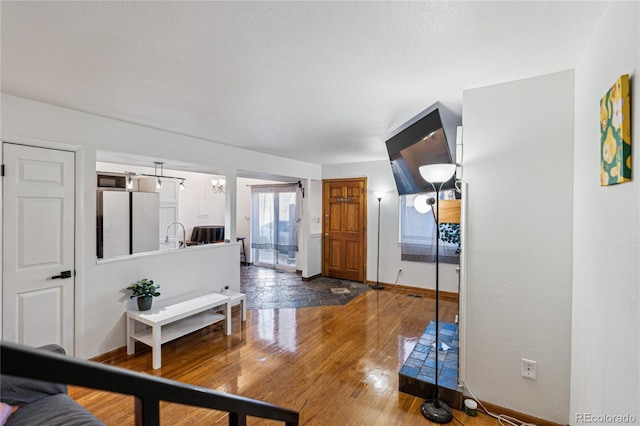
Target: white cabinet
[[169, 214], [168, 209]]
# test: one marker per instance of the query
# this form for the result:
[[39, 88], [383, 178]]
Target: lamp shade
[[437, 173], [378, 195]]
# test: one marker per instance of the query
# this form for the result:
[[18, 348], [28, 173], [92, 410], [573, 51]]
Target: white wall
[[243, 223], [208, 267], [605, 354], [414, 274], [315, 206], [100, 325], [518, 164], [313, 266], [198, 205]]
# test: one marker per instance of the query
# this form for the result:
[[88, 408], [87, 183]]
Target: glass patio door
[[274, 236]]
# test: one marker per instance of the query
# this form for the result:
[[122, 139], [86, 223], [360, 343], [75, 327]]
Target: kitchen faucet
[[184, 235]]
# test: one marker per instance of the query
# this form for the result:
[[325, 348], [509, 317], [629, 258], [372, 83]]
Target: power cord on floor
[[456, 419], [508, 420]]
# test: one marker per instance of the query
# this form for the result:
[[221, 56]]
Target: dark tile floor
[[268, 288]]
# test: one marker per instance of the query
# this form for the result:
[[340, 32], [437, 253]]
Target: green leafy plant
[[144, 288]]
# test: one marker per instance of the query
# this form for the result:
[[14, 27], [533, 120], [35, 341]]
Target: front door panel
[[345, 229]]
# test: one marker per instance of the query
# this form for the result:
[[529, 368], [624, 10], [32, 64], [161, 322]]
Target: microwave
[[112, 181]]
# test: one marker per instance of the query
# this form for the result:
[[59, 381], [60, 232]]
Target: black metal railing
[[22, 361]]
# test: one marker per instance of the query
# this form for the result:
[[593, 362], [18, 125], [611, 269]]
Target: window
[[418, 232]]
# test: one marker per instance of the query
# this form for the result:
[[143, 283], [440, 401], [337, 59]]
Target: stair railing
[[22, 361]]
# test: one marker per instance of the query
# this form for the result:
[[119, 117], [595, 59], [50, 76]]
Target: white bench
[[173, 318], [241, 298]]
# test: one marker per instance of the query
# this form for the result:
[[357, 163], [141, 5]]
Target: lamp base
[[376, 286], [436, 411]]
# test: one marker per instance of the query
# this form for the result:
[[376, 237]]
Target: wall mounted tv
[[421, 143]]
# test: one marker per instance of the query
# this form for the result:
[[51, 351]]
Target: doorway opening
[[274, 223]]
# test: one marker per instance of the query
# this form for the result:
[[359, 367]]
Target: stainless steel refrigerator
[[127, 223]]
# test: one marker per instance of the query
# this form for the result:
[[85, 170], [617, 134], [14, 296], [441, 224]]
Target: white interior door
[[38, 246]]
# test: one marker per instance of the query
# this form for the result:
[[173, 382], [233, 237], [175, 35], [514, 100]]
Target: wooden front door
[[38, 285], [344, 228]]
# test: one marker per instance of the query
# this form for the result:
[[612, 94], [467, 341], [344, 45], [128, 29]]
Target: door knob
[[63, 274], [326, 235]]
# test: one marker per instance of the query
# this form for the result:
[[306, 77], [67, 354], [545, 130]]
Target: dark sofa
[[42, 403]]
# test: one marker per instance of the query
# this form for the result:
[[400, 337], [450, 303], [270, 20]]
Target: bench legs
[[156, 342], [156, 347], [131, 342], [227, 318], [243, 308]]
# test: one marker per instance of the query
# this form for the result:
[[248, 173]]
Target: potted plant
[[145, 291], [226, 289]]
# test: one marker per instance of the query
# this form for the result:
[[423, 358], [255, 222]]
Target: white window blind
[[418, 233]]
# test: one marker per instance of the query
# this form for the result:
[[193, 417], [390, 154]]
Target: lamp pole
[[377, 286], [437, 283], [437, 174]]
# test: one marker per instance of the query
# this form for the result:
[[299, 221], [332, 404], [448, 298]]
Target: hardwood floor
[[336, 365]]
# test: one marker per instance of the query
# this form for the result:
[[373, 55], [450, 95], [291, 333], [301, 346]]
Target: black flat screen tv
[[423, 142]]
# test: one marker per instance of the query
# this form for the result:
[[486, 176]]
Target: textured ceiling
[[323, 82]]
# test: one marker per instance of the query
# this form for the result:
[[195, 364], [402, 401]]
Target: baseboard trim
[[444, 295], [313, 277], [110, 356], [526, 418]]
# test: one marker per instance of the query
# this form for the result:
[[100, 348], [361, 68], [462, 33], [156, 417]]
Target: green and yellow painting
[[615, 134]]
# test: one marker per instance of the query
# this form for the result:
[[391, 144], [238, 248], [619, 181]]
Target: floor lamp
[[437, 174], [377, 286]]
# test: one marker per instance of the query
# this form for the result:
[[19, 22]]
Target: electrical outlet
[[528, 369]]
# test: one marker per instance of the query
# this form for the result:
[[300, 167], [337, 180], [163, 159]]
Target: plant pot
[[144, 303]]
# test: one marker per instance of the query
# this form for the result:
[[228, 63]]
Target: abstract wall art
[[615, 134]]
